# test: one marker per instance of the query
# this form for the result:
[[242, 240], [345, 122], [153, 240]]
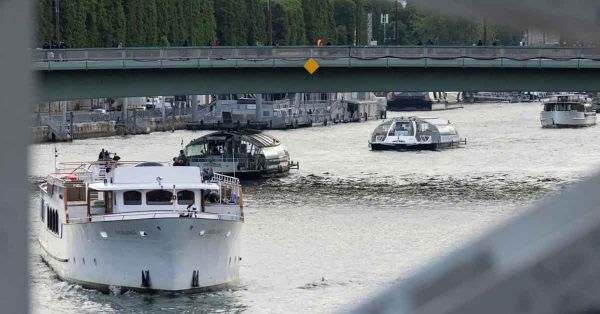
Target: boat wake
[[327, 190]]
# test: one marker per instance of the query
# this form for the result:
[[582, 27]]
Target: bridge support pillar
[[194, 108]]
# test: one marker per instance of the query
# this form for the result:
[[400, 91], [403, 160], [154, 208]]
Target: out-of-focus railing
[[300, 53]]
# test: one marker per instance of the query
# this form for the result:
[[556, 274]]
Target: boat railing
[[221, 178], [247, 163], [156, 215]]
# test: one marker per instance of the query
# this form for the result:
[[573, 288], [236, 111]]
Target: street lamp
[[57, 20], [403, 3], [270, 30]]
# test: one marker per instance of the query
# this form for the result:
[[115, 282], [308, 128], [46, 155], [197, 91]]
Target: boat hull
[[411, 104], [405, 147], [567, 120], [148, 255]]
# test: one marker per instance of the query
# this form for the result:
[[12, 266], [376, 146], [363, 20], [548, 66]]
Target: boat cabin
[[137, 192], [238, 153], [414, 132], [568, 103]]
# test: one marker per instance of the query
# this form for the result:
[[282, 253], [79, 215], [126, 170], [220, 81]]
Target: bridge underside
[[80, 84]]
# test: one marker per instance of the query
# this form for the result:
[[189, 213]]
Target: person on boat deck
[[116, 157], [182, 157], [101, 155]]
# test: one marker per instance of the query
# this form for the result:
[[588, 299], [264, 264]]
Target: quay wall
[[108, 128], [156, 124], [39, 134]]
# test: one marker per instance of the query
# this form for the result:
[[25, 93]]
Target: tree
[[318, 20], [230, 22], [73, 23], [256, 22], [45, 19]]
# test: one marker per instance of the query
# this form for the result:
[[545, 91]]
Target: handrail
[[259, 53], [155, 215]]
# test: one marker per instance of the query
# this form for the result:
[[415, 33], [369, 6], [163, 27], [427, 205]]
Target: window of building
[[159, 197], [132, 198], [185, 198]]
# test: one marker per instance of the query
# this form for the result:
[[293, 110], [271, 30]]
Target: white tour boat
[[113, 225], [568, 111], [415, 133]]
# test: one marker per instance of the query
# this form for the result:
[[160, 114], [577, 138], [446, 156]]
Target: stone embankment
[[86, 130]]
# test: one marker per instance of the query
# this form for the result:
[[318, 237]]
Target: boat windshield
[[564, 107], [383, 129], [403, 128]]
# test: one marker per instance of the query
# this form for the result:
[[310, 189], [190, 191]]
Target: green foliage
[[105, 23]]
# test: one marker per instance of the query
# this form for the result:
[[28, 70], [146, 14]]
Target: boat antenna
[[182, 143], [55, 157]]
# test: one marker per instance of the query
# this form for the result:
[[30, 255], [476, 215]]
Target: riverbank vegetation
[[139, 23]]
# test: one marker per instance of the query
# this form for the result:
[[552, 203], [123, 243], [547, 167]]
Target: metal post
[[172, 117], [163, 113], [194, 108], [63, 125], [396, 24], [484, 33], [270, 15], [134, 121], [124, 110], [259, 101], [191, 24], [57, 20]]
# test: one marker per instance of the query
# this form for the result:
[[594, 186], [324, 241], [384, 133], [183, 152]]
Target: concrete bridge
[[87, 73]]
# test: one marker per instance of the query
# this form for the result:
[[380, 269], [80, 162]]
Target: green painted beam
[[78, 84]]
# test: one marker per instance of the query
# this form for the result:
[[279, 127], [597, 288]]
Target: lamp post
[[403, 3], [191, 36], [270, 26], [57, 20]]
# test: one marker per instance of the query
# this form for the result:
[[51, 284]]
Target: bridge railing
[[269, 53]]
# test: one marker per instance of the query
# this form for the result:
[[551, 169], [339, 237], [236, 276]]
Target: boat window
[[185, 198], [132, 198], [562, 107], [578, 107], [447, 129], [159, 197], [383, 129], [549, 107], [403, 128], [196, 150]]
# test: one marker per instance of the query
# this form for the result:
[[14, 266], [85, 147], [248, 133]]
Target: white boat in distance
[[568, 111], [112, 225], [415, 133]]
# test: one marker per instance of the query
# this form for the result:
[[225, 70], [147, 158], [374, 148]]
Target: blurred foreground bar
[[545, 261], [16, 92]]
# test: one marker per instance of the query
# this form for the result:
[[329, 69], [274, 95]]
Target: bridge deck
[[290, 57]]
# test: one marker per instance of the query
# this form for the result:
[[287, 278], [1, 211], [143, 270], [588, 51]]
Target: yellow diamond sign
[[311, 66]]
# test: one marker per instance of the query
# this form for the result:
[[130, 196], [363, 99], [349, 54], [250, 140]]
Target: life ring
[[69, 177]]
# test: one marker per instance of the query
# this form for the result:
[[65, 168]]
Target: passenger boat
[[242, 154], [117, 226], [568, 111], [423, 101], [415, 133]]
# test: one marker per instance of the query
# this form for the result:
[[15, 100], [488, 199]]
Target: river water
[[351, 222]]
